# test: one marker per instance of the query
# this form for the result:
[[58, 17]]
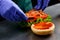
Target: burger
[[39, 22]]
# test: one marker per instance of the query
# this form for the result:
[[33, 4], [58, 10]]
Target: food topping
[[43, 25], [36, 14]]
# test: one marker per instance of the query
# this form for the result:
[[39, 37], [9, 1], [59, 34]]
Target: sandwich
[[39, 22]]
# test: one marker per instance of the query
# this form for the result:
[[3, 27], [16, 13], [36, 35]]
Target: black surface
[[11, 31], [52, 2]]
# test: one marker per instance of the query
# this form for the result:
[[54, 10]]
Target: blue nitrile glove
[[10, 11], [41, 4]]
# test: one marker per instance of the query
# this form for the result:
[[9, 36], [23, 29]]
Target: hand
[[41, 4], [10, 11]]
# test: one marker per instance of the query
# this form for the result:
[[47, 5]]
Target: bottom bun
[[43, 32]]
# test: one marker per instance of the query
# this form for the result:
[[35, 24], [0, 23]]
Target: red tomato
[[35, 15], [43, 25]]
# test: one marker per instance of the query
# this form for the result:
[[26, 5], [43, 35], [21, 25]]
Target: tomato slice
[[32, 19], [43, 25], [35, 15], [43, 14]]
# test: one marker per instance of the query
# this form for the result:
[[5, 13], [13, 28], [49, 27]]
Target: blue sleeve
[[10, 11]]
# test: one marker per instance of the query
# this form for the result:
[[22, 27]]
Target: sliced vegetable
[[43, 25]]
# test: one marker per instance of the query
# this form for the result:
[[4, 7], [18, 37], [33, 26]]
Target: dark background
[[52, 2]]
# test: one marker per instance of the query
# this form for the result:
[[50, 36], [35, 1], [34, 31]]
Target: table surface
[[11, 31]]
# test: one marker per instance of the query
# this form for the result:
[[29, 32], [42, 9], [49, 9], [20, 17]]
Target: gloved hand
[[10, 11], [41, 4]]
